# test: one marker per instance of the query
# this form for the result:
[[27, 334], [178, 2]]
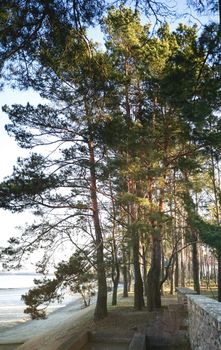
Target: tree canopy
[[123, 137]]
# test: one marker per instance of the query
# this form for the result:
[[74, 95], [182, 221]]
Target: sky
[[10, 151]]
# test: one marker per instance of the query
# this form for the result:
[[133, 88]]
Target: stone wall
[[182, 294], [204, 322]]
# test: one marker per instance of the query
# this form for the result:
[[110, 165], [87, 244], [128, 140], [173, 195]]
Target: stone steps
[[106, 346], [169, 330], [100, 341], [106, 341]]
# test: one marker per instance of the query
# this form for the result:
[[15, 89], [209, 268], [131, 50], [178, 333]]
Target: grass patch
[[123, 320]]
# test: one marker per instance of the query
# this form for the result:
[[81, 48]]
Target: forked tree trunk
[[101, 304]]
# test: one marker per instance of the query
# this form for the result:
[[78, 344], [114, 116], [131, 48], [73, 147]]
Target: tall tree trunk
[[125, 272], [216, 191], [101, 304], [125, 281], [154, 273], [175, 265], [183, 266], [177, 271], [172, 278], [219, 274], [162, 268], [115, 270], [138, 282], [153, 276], [115, 288], [196, 256], [144, 262], [115, 273], [195, 266], [115, 261], [129, 277]]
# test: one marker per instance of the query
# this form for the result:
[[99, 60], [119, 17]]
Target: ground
[[66, 324]]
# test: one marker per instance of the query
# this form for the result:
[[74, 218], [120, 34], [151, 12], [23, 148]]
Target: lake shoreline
[[12, 287], [21, 333]]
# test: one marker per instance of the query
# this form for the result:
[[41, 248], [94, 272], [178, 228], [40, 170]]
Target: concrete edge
[[74, 344], [186, 291], [10, 346], [139, 341]]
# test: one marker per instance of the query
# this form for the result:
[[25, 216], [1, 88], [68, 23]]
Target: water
[[12, 286], [17, 280]]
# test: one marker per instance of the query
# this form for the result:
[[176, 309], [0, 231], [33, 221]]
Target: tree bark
[[129, 277], [183, 266], [125, 275], [162, 268], [153, 277], [144, 261], [217, 214], [115, 261], [115, 272], [219, 274], [138, 282], [115, 288], [101, 304], [172, 278], [195, 267], [177, 271], [115, 279], [154, 273]]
